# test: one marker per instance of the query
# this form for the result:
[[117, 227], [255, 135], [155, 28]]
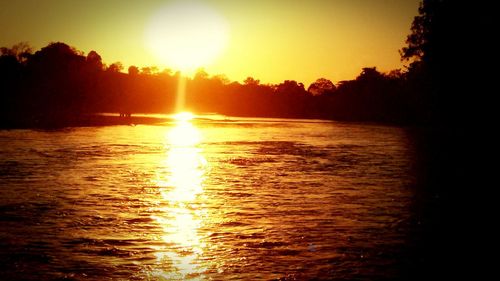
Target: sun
[[186, 35]]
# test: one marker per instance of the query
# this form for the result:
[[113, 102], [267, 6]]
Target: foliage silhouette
[[447, 84], [58, 85]]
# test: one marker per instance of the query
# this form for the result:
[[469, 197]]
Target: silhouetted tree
[[200, 74], [149, 70], [450, 79], [133, 70], [115, 67], [251, 81], [56, 75], [222, 78], [94, 61], [449, 42], [321, 86], [12, 63], [290, 87], [21, 51]]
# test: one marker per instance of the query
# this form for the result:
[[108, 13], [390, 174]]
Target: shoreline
[[109, 119], [91, 120]]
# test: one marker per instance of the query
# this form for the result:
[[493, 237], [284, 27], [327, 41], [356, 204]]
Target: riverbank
[[87, 120]]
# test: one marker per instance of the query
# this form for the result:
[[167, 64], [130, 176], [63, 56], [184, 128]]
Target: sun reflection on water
[[182, 210]]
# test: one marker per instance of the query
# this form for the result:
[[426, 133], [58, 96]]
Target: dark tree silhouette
[[115, 67], [21, 51], [449, 42], [449, 82], [133, 71], [321, 86], [95, 61], [251, 81], [58, 85]]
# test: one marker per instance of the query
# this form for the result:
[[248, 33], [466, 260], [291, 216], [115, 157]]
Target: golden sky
[[268, 40]]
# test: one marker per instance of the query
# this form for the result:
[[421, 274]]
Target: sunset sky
[[269, 40]]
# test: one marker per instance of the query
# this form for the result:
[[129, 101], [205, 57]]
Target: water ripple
[[251, 200]]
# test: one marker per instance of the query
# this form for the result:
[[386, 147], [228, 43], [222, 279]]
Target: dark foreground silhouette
[[450, 73]]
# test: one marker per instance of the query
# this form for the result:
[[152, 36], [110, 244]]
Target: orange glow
[[269, 40]]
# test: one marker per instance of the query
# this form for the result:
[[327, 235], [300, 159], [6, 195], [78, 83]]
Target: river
[[207, 199]]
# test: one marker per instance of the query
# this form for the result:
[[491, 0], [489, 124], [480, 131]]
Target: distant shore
[[87, 120], [114, 119], [108, 120]]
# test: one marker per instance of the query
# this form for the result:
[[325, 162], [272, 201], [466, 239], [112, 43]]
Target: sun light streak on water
[[184, 134], [181, 212]]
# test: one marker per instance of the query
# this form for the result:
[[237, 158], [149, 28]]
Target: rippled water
[[230, 199]]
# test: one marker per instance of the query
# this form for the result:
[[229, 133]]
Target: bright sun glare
[[184, 133], [186, 35], [184, 116]]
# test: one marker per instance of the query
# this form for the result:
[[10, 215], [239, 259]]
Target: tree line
[[60, 84]]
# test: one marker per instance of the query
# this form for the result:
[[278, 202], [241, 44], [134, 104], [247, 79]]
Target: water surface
[[209, 199]]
